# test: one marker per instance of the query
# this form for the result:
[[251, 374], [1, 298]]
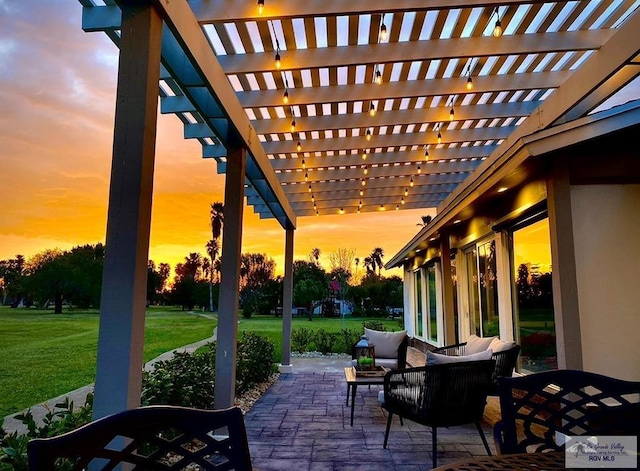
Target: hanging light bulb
[[364, 154], [439, 138], [260, 7], [451, 113], [469, 83], [378, 77], [372, 109], [363, 182], [366, 169], [309, 188], [402, 200], [426, 152], [361, 193], [278, 60], [368, 135], [341, 210], [293, 124], [360, 204], [411, 182], [397, 207], [315, 206], [304, 164], [317, 213], [406, 192], [419, 170], [306, 176], [313, 198], [285, 97], [382, 208], [358, 210], [299, 146], [383, 31], [497, 29]]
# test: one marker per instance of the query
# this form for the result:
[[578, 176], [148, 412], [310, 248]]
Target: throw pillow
[[477, 344], [498, 345], [386, 343], [437, 359]]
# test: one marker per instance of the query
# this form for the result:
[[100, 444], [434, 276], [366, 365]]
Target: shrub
[[374, 325], [186, 379], [300, 339], [63, 418], [255, 364]]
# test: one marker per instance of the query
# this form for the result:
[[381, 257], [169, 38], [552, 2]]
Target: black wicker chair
[[439, 396], [505, 361], [154, 437], [571, 402]]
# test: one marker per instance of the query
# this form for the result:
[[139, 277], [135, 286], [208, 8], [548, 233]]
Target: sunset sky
[[57, 99]]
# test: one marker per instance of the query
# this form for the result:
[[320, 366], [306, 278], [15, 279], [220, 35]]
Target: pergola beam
[[440, 49], [407, 89]]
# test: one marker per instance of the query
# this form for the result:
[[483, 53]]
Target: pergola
[[348, 120]]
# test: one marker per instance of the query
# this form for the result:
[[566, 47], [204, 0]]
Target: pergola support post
[[124, 282], [287, 302], [227, 337]]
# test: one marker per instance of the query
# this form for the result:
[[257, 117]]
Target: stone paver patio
[[302, 424]]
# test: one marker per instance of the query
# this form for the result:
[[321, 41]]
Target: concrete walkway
[[79, 396]]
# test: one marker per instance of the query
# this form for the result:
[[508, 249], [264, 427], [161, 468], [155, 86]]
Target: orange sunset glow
[[57, 100]]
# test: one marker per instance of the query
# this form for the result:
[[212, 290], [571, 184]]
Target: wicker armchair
[[154, 437], [570, 402], [439, 396], [505, 361]]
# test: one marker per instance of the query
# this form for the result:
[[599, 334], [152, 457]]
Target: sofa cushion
[[498, 345], [477, 344], [437, 359], [386, 343], [390, 363]]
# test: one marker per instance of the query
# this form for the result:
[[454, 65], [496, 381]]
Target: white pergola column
[[287, 302], [227, 336], [447, 292], [123, 301], [565, 284]]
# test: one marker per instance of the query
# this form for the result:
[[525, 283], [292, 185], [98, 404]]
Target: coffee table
[[354, 381]]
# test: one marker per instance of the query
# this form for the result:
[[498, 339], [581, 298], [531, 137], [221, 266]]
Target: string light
[[366, 169], [299, 147], [313, 198], [360, 204], [293, 124], [411, 182], [361, 193], [406, 192], [383, 30], [419, 170], [451, 113], [309, 188], [364, 154], [426, 153], [439, 135], [469, 82], [497, 29], [304, 164], [378, 77], [397, 207], [382, 208], [278, 59], [363, 182], [372, 109], [358, 210], [306, 177], [368, 135], [317, 213], [341, 210], [285, 97], [402, 200], [260, 7]]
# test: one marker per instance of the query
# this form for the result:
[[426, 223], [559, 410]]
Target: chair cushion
[[386, 343], [391, 363], [477, 344], [498, 345], [437, 359]]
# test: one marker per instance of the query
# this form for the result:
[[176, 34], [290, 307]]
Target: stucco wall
[[606, 224]]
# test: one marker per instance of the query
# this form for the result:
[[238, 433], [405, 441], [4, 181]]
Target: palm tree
[[213, 246], [357, 261], [368, 265], [376, 259], [425, 220], [315, 253]]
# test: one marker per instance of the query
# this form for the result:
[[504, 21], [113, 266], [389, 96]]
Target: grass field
[[43, 355], [272, 327]]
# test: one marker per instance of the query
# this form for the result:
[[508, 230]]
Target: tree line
[[74, 277]]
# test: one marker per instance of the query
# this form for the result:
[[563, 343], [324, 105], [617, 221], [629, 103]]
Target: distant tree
[[213, 246], [342, 258], [522, 284], [357, 262], [188, 274], [47, 279], [12, 279], [315, 255], [84, 265], [310, 285], [156, 280], [256, 271], [376, 259], [376, 295]]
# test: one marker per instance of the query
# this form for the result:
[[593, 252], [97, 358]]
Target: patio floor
[[302, 423]]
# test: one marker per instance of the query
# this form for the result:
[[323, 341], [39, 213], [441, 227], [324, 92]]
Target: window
[[432, 298], [418, 303], [428, 303], [534, 322], [482, 288]]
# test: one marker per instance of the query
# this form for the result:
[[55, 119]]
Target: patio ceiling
[[331, 53]]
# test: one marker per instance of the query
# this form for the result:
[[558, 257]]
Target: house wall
[[606, 226]]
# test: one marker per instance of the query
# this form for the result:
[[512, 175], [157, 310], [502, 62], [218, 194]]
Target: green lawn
[[44, 355], [271, 327]]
